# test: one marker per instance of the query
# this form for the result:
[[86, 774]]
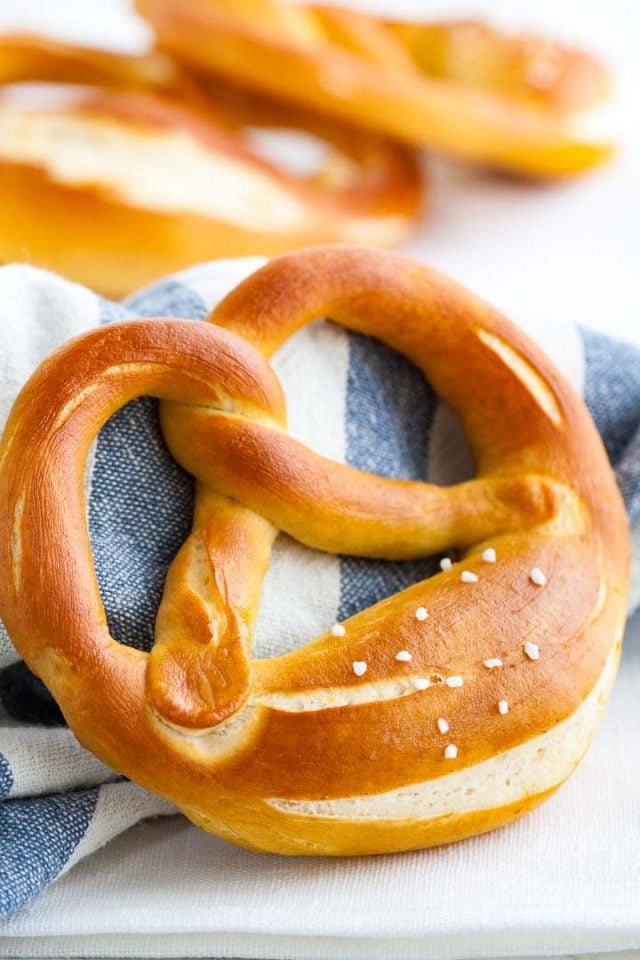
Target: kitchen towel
[[167, 889]]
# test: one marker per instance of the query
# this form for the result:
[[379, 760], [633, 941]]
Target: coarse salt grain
[[443, 726], [421, 613], [468, 577], [489, 555], [337, 630], [503, 707], [454, 681], [421, 683], [492, 663], [532, 650], [537, 576], [450, 752], [403, 655], [445, 564], [359, 668]]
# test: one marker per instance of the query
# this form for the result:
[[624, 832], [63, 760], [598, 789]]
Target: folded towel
[[357, 402]]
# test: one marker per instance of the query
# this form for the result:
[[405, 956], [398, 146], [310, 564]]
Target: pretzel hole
[[39, 94], [139, 513], [301, 154]]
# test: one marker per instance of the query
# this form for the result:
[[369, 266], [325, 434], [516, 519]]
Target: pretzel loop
[[100, 373]]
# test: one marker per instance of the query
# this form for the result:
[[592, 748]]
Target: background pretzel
[[441, 712], [460, 87], [29, 58], [150, 172]]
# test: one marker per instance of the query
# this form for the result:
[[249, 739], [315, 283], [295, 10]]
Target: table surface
[[567, 249]]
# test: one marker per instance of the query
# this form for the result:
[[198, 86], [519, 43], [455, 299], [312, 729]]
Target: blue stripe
[[110, 312], [37, 837], [628, 476], [26, 699], [389, 413], [168, 298], [612, 393], [140, 511], [141, 505]]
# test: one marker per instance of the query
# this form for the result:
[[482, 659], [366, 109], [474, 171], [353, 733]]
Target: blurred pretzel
[[142, 171], [29, 58], [441, 712], [461, 88]]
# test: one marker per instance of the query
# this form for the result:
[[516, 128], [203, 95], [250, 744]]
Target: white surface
[[566, 250]]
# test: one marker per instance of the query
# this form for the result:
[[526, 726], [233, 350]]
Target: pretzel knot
[[440, 712]]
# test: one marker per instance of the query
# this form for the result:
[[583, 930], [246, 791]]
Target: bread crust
[[299, 754], [104, 225], [458, 87]]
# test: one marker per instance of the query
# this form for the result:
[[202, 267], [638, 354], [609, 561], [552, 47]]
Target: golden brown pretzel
[[149, 173], [27, 57], [397, 729], [460, 88]]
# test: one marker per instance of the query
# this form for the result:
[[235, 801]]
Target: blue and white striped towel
[[349, 398]]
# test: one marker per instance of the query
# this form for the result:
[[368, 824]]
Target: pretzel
[[460, 87], [443, 711], [149, 173], [29, 58]]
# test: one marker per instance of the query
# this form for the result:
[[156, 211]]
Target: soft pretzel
[[460, 87], [140, 177], [441, 712]]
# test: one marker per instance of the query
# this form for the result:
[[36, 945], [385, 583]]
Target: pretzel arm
[[340, 509], [523, 66], [199, 668], [505, 392]]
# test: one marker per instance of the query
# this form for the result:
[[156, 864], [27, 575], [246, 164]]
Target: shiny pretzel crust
[[297, 754], [458, 87], [148, 172]]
